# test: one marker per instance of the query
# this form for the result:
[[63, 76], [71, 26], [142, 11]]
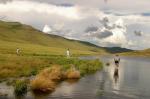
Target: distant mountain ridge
[[117, 50]]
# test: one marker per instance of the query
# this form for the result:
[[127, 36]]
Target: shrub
[[72, 74], [52, 73], [44, 81], [20, 87], [42, 84]]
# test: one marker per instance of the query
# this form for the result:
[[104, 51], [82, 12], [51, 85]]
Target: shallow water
[[132, 82]]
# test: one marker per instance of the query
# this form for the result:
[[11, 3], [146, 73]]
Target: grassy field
[[20, 66]]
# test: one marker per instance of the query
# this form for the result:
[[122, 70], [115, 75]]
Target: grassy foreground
[[12, 65]]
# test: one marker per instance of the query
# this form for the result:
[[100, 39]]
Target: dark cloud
[[138, 33], [5, 1], [146, 14], [106, 23], [104, 34], [66, 5], [91, 29], [2, 17], [101, 34], [106, 1]]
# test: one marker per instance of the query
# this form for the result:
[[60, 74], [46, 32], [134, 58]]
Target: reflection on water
[[129, 81], [116, 75]]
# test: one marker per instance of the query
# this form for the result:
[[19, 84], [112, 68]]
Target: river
[[133, 82]]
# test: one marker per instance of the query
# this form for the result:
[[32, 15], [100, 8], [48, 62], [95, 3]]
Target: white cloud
[[72, 21], [47, 29], [18, 6]]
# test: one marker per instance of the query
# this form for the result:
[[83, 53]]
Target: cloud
[[111, 33], [102, 34], [111, 24], [43, 8], [5, 1], [91, 29], [47, 29], [138, 33]]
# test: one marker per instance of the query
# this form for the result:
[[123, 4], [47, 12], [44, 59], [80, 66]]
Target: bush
[[42, 84], [52, 73], [45, 80], [20, 87], [72, 74]]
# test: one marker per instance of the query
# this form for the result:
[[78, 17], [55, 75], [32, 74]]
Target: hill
[[14, 35], [117, 50]]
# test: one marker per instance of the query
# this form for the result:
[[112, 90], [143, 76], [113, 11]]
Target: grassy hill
[[31, 41]]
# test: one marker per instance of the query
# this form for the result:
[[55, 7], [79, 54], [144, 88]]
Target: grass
[[25, 66], [53, 73], [20, 87], [43, 84], [72, 74]]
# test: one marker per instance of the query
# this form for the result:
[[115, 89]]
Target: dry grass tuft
[[43, 84], [52, 73], [72, 74], [45, 80]]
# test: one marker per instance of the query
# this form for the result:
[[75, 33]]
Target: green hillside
[[14, 35]]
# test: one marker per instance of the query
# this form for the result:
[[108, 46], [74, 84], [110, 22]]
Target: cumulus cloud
[[28, 6], [111, 33], [104, 24], [47, 29]]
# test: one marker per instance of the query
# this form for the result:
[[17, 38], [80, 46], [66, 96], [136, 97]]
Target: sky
[[107, 23]]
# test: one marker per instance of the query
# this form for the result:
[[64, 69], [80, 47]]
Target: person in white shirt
[[18, 51], [68, 53]]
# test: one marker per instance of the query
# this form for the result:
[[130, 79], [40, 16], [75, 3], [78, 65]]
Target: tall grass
[[42, 84], [25, 66], [20, 87]]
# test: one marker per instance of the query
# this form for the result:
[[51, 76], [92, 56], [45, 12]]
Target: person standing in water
[[68, 53], [116, 71], [117, 60]]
